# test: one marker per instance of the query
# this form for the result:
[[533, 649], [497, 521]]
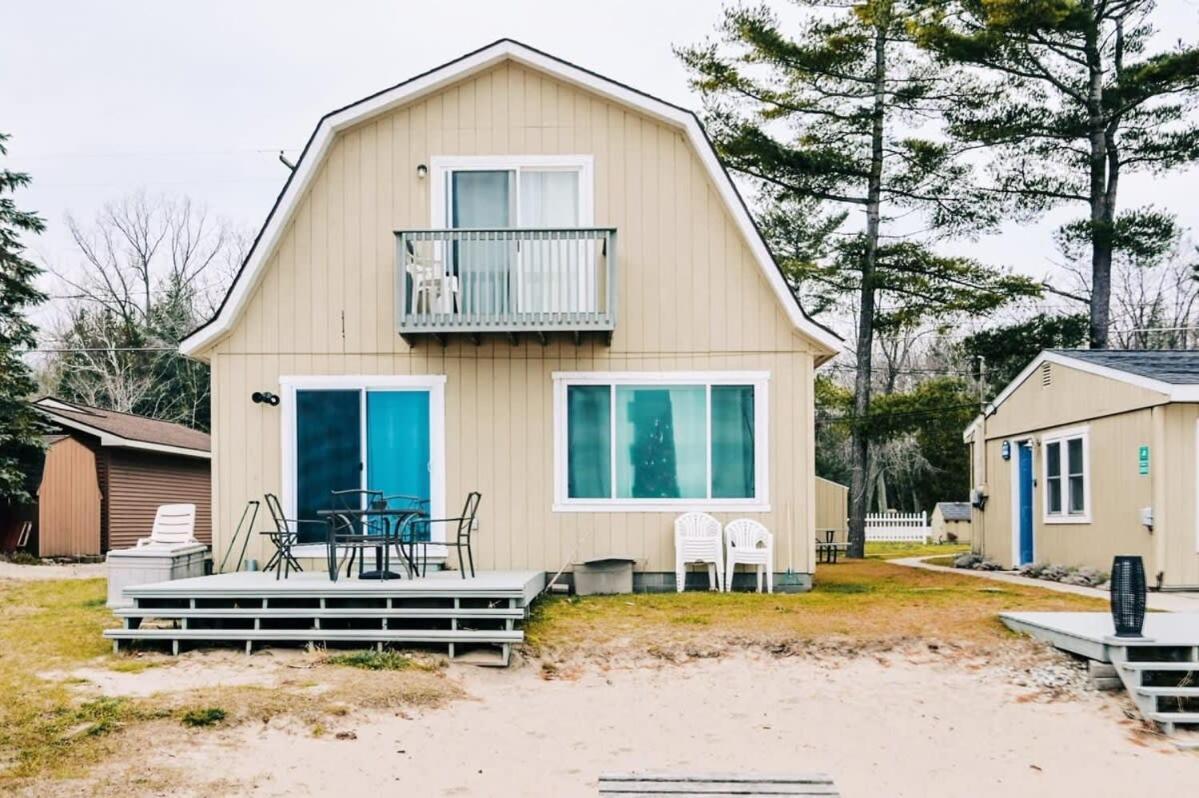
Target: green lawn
[[894, 551]]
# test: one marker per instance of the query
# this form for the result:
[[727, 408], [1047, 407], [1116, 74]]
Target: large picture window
[[1067, 476], [647, 441]]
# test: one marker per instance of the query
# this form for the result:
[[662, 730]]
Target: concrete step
[[1174, 717], [1170, 692], [315, 612], [340, 635], [1160, 666]]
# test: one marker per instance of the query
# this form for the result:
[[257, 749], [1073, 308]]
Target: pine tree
[[1070, 103], [822, 122], [20, 426]]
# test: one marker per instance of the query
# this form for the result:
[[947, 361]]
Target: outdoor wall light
[[422, 171], [264, 398]]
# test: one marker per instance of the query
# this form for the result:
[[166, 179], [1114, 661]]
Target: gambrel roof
[[506, 49]]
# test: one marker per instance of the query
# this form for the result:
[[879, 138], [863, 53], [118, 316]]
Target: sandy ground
[[37, 573], [886, 725]]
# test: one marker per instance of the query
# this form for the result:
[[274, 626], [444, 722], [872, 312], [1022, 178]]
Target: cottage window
[[1067, 477], [660, 441]]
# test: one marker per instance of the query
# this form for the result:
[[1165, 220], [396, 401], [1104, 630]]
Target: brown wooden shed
[[106, 474]]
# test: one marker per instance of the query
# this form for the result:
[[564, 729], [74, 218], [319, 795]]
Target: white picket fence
[[897, 528]]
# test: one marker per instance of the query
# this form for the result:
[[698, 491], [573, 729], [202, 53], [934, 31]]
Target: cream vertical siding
[[832, 507], [1174, 468], [1120, 418], [691, 298]]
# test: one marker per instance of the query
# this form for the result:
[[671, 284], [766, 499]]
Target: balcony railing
[[506, 281]]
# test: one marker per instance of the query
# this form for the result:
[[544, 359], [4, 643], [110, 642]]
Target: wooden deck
[[474, 618]]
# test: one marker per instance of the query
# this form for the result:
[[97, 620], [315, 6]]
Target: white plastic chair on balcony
[[433, 291], [749, 543], [697, 538], [174, 525]]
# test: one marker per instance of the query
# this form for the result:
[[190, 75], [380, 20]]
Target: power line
[[909, 413]]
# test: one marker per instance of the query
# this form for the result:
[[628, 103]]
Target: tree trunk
[[1101, 216], [860, 439]]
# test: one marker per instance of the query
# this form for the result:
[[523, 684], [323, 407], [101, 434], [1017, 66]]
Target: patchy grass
[[374, 660], [895, 551], [946, 561], [865, 601], [206, 716], [58, 728], [22, 558]]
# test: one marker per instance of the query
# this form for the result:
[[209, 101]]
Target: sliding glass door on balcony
[[532, 274]]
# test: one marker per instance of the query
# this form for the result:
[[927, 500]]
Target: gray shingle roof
[[1173, 366], [955, 511]]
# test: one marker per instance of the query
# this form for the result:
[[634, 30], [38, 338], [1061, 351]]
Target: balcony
[[507, 282]]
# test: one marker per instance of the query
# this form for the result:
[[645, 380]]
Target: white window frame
[[433, 383], [440, 166], [758, 379], [1062, 437]]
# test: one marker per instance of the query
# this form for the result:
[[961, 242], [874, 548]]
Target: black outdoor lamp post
[[1128, 596]]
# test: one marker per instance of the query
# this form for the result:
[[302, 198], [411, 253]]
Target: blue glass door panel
[[397, 443], [328, 452], [1026, 490]]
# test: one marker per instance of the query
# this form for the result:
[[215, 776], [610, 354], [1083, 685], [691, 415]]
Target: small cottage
[[105, 475], [1088, 454], [951, 522]]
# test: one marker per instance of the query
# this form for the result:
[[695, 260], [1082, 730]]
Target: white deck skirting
[[442, 609]]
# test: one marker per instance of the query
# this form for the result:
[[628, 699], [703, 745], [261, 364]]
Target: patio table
[[392, 518]]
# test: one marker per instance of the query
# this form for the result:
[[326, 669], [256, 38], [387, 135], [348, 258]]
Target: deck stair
[[1163, 681], [474, 620], [1160, 671]]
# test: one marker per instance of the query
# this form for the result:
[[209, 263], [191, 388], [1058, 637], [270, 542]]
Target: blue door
[[397, 443], [1025, 486]]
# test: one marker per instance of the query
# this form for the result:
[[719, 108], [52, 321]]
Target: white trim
[[1063, 436], [441, 165], [760, 380], [329, 126], [108, 439], [433, 383], [1195, 494]]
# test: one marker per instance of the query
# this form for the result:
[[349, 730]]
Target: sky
[[103, 99]]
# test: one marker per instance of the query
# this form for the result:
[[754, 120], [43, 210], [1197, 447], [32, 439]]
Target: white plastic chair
[[697, 538], [750, 543], [174, 525]]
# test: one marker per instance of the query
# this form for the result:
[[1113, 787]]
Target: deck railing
[[506, 280]]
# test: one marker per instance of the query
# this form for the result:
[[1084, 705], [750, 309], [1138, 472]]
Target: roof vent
[[1046, 374]]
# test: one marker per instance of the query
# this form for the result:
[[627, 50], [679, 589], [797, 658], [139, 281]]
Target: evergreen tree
[[1007, 349], [1070, 102], [823, 121], [20, 426]]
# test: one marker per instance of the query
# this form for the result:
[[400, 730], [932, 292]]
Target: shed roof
[[1172, 366], [127, 429], [954, 511]]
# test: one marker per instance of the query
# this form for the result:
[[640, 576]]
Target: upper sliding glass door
[[483, 200], [532, 276]]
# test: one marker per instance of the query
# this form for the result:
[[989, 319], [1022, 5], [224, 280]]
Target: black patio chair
[[418, 529], [285, 535]]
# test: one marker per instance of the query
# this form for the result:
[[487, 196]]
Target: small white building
[[952, 519]]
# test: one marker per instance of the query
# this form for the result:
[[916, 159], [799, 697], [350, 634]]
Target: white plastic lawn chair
[[697, 538], [174, 525], [749, 543]]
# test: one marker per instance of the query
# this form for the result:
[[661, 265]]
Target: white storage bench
[[145, 565]]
